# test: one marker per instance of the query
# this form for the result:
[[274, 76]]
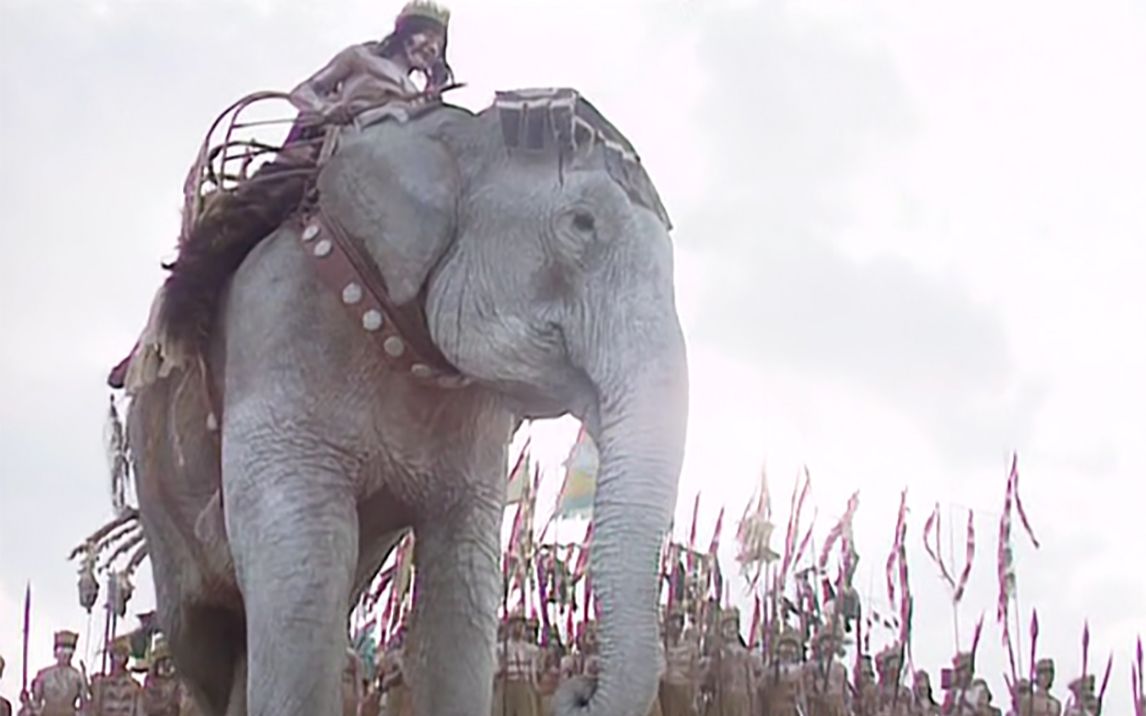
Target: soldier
[[550, 676], [352, 691], [116, 693], [783, 688], [655, 707], [960, 694], [866, 692], [1082, 702], [731, 673], [892, 697], [60, 689], [163, 692], [584, 662], [825, 677], [518, 666], [922, 698], [372, 703], [5, 704], [399, 701], [1021, 699], [983, 698], [1042, 702], [678, 686]]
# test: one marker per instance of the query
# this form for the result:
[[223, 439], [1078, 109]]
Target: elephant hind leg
[[211, 646]]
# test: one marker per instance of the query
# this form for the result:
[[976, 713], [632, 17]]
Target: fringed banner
[[792, 533], [1014, 479], [970, 558], [691, 558], [934, 524]]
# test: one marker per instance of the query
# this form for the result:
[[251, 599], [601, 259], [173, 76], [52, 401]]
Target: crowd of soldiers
[[62, 689], [704, 672], [720, 675]]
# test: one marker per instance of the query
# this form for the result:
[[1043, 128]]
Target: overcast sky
[[909, 241]]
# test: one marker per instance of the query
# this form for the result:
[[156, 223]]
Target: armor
[[678, 684], [892, 698], [826, 678], [518, 661], [60, 690], [783, 687], [163, 693], [116, 693]]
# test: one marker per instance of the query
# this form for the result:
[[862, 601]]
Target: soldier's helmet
[[66, 639], [120, 646]]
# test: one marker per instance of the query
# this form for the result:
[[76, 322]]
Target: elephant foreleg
[[293, 529], [458, 587]]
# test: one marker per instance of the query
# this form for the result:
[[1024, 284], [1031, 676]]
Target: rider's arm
[[309, 96]]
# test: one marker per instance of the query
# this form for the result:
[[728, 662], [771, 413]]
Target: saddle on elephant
[[228, 209]]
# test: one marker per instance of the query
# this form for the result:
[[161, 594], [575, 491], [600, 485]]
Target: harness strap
[[353, 276]]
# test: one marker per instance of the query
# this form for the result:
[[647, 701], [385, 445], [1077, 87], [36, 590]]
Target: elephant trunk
[[640, 437]]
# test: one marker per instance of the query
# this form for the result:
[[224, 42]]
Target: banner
[[580, 487]]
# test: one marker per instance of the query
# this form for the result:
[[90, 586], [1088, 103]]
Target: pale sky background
[[910, 239]]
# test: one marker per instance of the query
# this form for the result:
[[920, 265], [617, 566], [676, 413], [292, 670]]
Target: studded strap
[[361, 290]]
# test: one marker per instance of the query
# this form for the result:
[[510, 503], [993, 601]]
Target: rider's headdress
[[425, 9]]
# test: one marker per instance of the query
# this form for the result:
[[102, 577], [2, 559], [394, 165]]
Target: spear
[[1134, 690], [1138, 680], [1034, 641], [1085, 646], [27, 634], [1105, 683]]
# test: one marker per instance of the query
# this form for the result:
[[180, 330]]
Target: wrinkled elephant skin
[[543, 282]]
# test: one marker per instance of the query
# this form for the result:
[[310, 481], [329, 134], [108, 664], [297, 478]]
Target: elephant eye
[[583, 221]]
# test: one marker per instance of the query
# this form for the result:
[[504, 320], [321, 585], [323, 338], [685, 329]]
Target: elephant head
[[545, 270]]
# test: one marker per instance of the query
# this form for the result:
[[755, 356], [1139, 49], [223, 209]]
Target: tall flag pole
[[1008, 586]]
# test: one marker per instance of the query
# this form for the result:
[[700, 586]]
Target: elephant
[[276, 474]]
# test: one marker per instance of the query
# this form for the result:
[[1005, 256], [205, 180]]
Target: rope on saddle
[[228, 209]]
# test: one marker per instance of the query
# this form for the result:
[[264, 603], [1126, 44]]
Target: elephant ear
[[394, 188]]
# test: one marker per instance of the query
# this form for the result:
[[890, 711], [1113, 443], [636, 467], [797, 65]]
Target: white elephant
[[539, 265]]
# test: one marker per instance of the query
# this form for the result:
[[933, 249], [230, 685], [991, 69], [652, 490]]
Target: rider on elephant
[[368, 75], [363, 76], [60, 689], [116, 693]]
